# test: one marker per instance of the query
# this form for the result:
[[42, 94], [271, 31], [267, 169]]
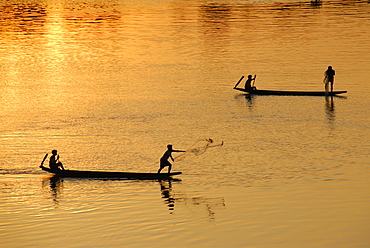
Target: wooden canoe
[[291, 93], [110, 175]]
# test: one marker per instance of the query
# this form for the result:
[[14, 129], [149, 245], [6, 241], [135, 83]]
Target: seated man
[[248, 84], [54, 162]]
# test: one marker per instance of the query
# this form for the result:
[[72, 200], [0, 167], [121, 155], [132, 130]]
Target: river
[[110, 83]]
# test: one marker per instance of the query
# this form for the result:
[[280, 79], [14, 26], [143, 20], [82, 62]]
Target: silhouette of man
[[329, 78], [164, 159], [54, 162], [248, 84]]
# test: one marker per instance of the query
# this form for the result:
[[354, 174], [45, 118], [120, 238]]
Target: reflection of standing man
[[166, 194], [329, 78]]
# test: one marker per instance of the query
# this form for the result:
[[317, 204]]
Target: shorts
[[164, 163]]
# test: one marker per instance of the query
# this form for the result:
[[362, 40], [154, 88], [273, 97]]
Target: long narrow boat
[[285, 92], [291, 93], [110, 175]]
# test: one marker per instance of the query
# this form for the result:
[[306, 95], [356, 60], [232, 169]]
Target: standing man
[[329, 78], [164, 159]]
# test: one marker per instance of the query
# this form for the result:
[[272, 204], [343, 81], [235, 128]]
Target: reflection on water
[[316, 3], [25, 18], [210, 204], [330, 110], [166, 188], [330, 107], [110, 82], [248, 98], [56, 186]]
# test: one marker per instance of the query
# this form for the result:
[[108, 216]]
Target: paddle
[[41, 165], [254, 79], [238, 82]]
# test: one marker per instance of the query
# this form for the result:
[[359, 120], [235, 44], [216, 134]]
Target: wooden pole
[[238, 82]]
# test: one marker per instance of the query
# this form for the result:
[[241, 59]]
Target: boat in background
[[110, 175], [290, 93], [286, 92]]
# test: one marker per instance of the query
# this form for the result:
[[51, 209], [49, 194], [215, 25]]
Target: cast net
[[198, 148]]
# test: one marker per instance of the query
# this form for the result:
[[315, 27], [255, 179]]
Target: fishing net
[[198, 148]]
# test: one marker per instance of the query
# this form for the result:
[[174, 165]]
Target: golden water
[[111, 83]]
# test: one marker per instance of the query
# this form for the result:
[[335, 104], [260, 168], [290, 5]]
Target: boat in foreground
[[290, 93], [110, 175]]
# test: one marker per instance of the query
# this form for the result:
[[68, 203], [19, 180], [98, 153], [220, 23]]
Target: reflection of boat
[[291, 93], [110, 175]]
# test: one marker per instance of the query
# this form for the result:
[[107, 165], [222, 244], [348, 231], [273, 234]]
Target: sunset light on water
[[110, 84]]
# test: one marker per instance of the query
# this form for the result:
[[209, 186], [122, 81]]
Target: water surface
[[111, 83]]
